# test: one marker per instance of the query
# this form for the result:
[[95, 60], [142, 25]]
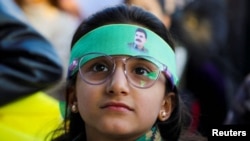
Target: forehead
[[140, 33], [111, 57], [119, 58], [116, 39]]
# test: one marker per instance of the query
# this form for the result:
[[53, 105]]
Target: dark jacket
[[28, 62], [241, 104]]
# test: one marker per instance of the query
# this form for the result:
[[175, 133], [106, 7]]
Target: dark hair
[[171, 129], [142, 30]]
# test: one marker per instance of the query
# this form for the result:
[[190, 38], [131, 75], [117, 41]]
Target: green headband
[[118, 39]]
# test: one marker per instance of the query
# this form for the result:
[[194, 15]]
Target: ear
[[167, 106], [71, 99]]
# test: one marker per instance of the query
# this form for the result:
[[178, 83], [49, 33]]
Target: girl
[[116, 92]]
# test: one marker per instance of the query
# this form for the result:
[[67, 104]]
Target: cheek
[[87, 97], [82, 91], [150, 104], [83, 98]]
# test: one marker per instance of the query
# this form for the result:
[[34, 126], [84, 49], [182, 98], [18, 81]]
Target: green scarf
[[151, 135]]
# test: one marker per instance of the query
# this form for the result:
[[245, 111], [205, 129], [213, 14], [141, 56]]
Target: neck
[[111, 137], [152, 135]]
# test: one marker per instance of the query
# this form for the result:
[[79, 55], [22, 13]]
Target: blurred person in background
[[202, 27], [12, 9], [240, 109], [28, 65], [162, 9], [57, 26], [238, 52], [70, 6], [89, 7]]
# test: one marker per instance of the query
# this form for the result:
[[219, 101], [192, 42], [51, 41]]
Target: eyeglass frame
[[75, 64]]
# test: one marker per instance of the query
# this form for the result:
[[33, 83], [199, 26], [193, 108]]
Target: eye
[[141, 71], [144, 73], [98, 67]]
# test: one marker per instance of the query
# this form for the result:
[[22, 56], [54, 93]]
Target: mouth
[[138, 40], [116, 106]]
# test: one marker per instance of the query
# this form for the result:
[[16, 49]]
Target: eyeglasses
[[140, 71]]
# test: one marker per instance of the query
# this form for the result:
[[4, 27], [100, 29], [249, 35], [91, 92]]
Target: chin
[[119, 128]]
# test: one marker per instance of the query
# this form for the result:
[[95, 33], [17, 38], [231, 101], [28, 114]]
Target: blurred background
[[212, 48]]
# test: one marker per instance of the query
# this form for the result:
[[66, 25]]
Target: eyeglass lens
[[96, 69]]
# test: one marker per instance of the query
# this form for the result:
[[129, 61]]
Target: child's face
[[118, 109]]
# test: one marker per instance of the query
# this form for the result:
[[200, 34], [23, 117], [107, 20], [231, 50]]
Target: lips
[[116, 106]]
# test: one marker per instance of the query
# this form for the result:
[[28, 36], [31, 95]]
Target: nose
[[118, 83]]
